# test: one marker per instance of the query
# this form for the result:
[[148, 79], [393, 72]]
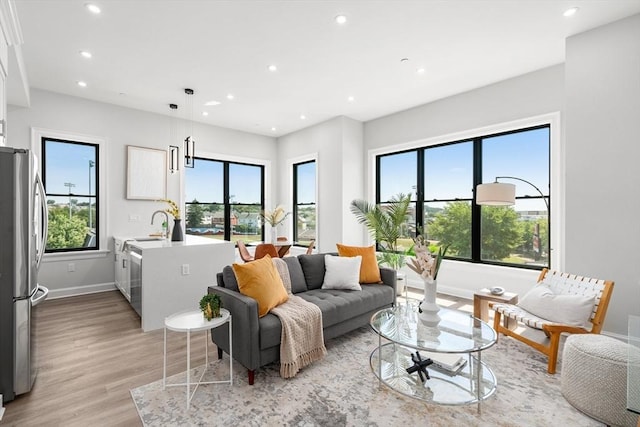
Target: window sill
[[73, 256]]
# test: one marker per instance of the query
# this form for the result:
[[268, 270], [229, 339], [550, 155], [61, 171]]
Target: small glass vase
[[428, 308], [274, 235], [176, 234]]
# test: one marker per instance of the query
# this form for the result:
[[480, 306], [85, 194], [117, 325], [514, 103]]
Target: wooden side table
[[481, 300], [193, 321]]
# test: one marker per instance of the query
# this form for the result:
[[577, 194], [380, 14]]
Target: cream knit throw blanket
[[301, 340]]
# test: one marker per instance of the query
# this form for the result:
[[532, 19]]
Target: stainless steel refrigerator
[[23, 235]]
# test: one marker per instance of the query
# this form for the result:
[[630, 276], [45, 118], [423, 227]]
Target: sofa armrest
[[389, 276], [245, 328]]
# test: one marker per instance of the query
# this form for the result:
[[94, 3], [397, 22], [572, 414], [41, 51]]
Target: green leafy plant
[[385, 224], [210, 305]]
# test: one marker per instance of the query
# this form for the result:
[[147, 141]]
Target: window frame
[[554, 219], [101, 251], [226, 205], [295, 203]]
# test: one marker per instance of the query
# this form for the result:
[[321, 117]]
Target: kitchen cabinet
[[122, 266], [167, 277]]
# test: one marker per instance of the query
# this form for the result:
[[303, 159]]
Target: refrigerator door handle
[[35, 299], [45, 218]]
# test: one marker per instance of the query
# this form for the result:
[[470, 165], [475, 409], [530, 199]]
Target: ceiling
[[145, 53]]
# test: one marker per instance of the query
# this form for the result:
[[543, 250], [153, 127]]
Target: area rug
[[341, 390]]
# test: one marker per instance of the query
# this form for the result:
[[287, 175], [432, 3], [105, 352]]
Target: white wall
[[602, 153], [337, 143], [120, 127]]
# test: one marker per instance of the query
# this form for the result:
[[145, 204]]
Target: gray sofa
[[256, 341]]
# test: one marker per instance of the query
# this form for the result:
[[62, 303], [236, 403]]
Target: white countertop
[[189, 240]]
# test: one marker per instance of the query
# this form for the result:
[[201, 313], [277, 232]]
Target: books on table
[[448, 362]]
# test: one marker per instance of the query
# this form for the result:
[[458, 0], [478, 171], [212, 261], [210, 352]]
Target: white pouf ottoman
[[594, 377]]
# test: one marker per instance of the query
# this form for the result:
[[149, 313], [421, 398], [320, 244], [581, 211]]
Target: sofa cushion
[[298, 283], [338, 305], [229, 278], [313, 269], [369, 270], [342, 273], [260, 280]]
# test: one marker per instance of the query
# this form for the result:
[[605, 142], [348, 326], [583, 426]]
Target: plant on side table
[[210, 305]]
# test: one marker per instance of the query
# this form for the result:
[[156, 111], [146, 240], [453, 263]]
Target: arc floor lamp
[[502, 193]]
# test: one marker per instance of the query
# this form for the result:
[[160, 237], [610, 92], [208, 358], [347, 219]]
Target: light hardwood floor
[[92, 351]]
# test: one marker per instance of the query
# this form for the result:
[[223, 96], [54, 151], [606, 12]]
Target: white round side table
[[193, 321]]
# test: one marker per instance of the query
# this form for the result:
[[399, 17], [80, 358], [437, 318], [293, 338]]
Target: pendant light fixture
[[174, 150], [189, 143]]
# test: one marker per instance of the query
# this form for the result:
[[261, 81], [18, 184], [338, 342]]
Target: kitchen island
[[167, 277]]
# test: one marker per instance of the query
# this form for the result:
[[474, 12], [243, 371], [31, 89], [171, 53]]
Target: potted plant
[[385, 225], [210, 305]]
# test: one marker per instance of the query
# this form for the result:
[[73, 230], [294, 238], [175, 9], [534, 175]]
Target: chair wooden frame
[[244, 252], [551, 343], [312, 244]]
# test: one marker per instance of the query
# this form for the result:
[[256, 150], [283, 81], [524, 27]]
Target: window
[[304, 202], [442, 178], [69, 173], [224, 200]]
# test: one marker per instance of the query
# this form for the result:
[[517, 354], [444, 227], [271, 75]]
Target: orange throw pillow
[[260, 280], [369, 270]]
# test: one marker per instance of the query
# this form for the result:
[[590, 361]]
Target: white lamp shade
[[496, 194]]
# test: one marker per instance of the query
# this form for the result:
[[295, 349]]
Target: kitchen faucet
[[165, 230]]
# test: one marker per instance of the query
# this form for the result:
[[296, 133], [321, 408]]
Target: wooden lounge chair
[[560, 284]]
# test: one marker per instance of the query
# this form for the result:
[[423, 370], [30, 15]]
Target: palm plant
[[385, 223]]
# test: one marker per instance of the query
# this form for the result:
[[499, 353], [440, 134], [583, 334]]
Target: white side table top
[[193, 320]]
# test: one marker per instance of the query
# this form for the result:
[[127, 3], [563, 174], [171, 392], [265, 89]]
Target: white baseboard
[[81, 290]]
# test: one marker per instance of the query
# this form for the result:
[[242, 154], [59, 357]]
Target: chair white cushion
[[342, 272], [574, 310]]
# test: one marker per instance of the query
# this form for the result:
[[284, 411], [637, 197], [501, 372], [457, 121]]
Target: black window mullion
[[420, 193], [476, 213], [227, 202], [295, 202]]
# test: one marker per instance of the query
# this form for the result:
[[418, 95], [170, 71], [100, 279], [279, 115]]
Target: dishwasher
[[135, 278]]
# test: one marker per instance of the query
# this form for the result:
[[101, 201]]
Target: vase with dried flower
[[176, 235], [427, 265], [274, 218]]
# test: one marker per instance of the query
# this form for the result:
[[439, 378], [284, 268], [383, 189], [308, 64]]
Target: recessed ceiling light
[[92, 8], [351, 99], [85, 54], [303, 117], [205, 113], [82, 84], [420, 70], [230, 96], [273, 129], [273, 68], [570, 12], [404, 60], [211, 103], [341, 19]]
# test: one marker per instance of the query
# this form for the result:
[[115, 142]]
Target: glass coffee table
[[457, 333]]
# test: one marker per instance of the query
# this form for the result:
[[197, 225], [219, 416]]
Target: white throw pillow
[[574, 310], [342, 272]]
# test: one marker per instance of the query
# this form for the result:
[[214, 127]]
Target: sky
[[69, 163], [448, 171], [449, 168]]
